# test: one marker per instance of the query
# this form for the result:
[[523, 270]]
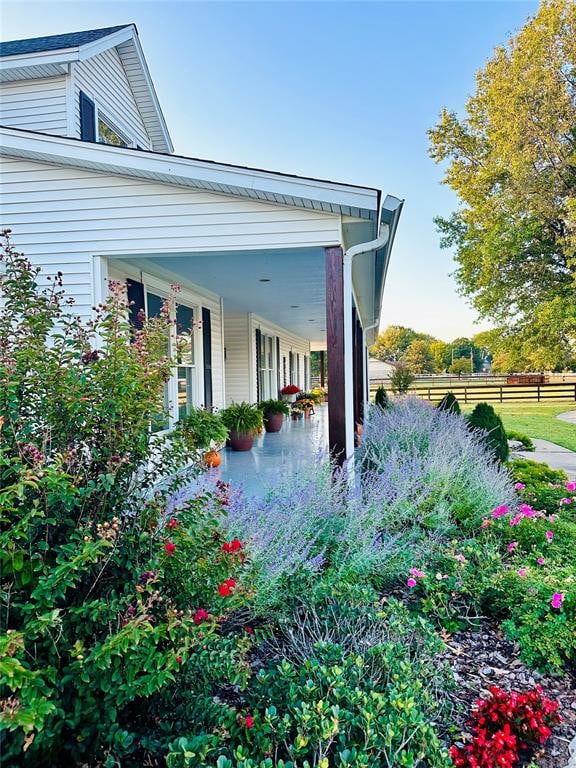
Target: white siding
[[104, 80], [240, 344], [238, 358], [62, 217], [35, 105]]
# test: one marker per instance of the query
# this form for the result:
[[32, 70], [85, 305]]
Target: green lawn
[[538, 420]]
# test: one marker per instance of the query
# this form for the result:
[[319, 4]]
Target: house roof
[[56, 42], [52, 56]]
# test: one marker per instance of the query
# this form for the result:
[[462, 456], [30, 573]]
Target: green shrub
[[324, 712], [381, 397], [531, 473], [101, 586], [520, 437], [485, 418], [401, 379], [203, 429], [449, 403]]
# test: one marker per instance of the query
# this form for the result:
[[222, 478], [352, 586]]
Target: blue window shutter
[[87, 118]]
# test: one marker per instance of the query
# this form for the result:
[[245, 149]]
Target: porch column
[[339, 338], [322, 369]]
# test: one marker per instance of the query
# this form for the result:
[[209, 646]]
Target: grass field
[[538, 420]]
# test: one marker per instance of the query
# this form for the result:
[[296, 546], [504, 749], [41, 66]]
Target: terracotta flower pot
[[240, 441], [273, 422], [212, 459], [307, 412]]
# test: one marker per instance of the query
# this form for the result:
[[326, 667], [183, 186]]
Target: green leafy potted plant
[[243, 421], [204, 430], [273, 412]]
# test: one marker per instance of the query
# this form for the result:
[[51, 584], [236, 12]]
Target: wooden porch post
[[322, 369], [358, 370], [335, 344]]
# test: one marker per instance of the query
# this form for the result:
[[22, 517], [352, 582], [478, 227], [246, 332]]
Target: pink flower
[[549, 535], [515, 520], [485, 523], [566, 500], [512, 546], [500, 511], [460, 558], [521, 572], [540, 561], [416, 573], [557, 600], [200, 616], [519, 486], [411, 583], [527, 510], [571, 486]]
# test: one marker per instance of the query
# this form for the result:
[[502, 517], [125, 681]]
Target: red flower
[[173, 523], [179, 659], [226, 547], [169, 547], [234, 546], [249, 630], [224, 590], [249, 721], [200, 616]]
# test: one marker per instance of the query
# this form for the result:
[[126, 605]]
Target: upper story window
[[95, 126], [109, 135]]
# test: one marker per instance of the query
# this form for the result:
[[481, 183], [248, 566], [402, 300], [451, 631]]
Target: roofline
[[128, 33], [319, 194]]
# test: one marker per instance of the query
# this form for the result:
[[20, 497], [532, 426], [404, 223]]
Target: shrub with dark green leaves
[[381, 397], [520, 437], [203, 429], [108, 601], [449, 403], [485, 419]]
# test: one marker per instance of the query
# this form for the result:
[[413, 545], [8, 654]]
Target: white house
[[274, 265]]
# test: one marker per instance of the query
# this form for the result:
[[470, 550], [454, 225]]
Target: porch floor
[[275, 456]]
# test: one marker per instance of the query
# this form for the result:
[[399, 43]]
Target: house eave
[[267, 186]]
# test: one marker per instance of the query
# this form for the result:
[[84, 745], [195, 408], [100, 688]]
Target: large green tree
[[418, 358], [512, 161]]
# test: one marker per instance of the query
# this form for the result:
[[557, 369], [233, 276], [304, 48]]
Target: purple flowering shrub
[[428, 469]]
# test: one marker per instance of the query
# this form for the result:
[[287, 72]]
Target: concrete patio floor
[[275, 456]]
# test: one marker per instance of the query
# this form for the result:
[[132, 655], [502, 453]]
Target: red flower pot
[[273, 422], [240, 441]]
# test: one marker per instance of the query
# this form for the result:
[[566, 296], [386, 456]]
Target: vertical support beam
[[358, 370], [322, 369], [340, 354]]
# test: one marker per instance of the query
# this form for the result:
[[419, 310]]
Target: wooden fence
[[494, 393]]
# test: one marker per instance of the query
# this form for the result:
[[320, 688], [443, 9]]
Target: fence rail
[[494, 393]]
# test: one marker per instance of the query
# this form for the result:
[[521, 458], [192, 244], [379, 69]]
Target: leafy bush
[[506, 728], [381, 397], [542, 487], [106, 602], [401, 379], [449, 403], [274, 407], [485, 419], [242, 418], [203, 429], [531, 472], [520, 437], [327, 711]]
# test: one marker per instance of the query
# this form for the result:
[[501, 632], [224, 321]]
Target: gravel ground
[[484, 658]]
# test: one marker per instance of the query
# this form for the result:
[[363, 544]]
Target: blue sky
[[337, 90]]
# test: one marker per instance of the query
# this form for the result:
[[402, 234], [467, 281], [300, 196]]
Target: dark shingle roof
[[56, 42]]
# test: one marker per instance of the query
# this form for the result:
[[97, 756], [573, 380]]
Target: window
[[266, 367], [109, 135], [185, 359], [153, 308]]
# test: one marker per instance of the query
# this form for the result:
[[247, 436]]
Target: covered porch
[[252, 317]]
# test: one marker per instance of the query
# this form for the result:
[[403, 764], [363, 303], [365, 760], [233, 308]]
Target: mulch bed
[[483, 658]]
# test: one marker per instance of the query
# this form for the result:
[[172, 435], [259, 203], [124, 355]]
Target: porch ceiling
[[293, 297]]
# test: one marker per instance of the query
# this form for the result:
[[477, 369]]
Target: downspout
[[349, 256]]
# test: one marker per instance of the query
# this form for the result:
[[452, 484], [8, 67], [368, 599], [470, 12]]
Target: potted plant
[[318, 395], [273, 412], [243, 421], [306, 402], [205, 431], [289, 392], [297, 410]]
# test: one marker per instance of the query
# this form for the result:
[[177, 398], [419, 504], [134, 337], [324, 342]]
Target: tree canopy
[[512, 161]]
